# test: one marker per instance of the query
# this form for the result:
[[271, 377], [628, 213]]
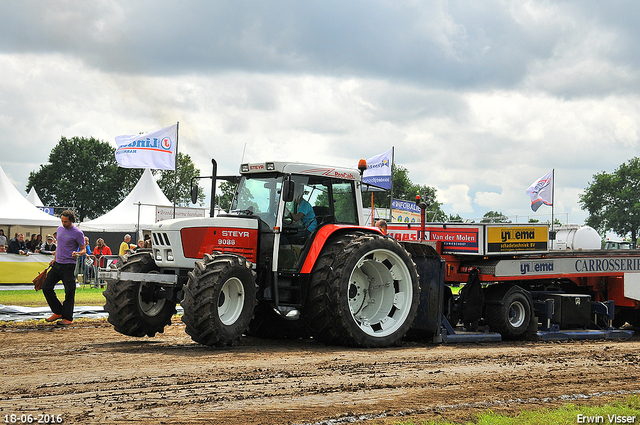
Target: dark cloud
[[433, 43]]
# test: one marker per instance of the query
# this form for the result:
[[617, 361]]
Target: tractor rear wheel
[[219, 299], [364, 291], [130, 311]]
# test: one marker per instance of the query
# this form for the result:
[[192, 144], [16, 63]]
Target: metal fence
[[88, 266]]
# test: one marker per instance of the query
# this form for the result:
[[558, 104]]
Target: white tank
[[573, 236]]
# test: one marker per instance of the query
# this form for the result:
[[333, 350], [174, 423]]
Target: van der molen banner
[[154, 150]]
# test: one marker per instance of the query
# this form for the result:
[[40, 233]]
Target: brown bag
[[38, 282]]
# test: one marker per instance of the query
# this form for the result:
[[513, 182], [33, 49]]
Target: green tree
[[405, 189], [83, 174], [613, 200], [225, 196], [186, 170], [455, 218], [494, 217]]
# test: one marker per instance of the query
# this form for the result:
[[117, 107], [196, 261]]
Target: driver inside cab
[[302, 214]]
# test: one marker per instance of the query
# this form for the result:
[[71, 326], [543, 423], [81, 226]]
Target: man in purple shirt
[[70, 238]]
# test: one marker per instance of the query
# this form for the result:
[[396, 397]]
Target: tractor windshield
[[259, 196]]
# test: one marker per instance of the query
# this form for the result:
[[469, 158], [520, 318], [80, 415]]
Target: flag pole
[[391, 200], [372, 223], [175, 171], [553, 195]]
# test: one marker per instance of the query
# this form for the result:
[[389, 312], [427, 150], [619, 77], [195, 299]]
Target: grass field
[[626, 410], [86, 296]]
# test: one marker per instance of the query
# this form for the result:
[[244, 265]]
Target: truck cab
[[617, 245]]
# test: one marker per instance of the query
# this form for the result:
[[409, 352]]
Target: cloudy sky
[[479, 99]]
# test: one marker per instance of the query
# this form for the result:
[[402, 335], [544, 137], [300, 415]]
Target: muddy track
[[89, 373]]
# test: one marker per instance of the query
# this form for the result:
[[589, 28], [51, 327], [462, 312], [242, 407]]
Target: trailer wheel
[[627, 315], [129, 313], [219, 299], [511, 318], [364, 291]]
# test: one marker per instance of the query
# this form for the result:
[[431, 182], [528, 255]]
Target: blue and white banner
[[541, 191], [156, 150], [378, 170]]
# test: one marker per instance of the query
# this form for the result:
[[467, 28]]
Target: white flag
[[156, 149], [378, 170], [541, 191]]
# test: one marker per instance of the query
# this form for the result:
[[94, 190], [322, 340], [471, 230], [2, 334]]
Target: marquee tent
[[33, 197], [138, 208], [16, 210]]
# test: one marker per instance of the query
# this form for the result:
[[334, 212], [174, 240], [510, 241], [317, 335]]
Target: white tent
[[33, 197], [15, 210], [138, 208]]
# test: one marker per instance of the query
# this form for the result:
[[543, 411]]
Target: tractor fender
[[320, 239]]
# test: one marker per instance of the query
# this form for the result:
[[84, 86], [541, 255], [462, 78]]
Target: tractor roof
[[299, 168]]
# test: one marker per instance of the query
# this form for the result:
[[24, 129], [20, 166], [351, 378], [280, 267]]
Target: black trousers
[[61, 272]]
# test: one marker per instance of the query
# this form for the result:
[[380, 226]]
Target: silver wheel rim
[[380, 293], [231, 301], [152, 308], [517, 314]]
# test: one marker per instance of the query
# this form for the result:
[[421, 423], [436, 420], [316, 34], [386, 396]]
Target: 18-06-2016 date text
[[29, 418]]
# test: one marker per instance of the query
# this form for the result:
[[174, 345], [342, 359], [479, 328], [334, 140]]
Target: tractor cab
[[291, 202]]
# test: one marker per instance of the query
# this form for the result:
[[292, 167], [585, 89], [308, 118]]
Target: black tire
[[620, 318], [219, 299], [364, 291], [268, 324], [627, 315], [634, 318], [128, 313], [512, 318]]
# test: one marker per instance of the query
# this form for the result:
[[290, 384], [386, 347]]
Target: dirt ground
[[88, 373]]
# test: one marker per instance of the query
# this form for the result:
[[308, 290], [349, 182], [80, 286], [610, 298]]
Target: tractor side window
[[344, 203], [299, 213]]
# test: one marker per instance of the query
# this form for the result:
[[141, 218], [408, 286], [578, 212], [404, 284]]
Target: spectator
[[147, 241], [124, 246], [86, 241], [382, 225], [48, 247], [33, 244], [101, 250], [86, 270], [62, 267], [3, 238], [140, 245], [17, 245]]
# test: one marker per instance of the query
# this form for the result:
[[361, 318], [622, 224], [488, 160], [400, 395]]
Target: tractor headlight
[[169, 255]]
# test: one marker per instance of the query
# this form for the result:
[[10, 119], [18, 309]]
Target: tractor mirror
[[288, 189], [194, 193]]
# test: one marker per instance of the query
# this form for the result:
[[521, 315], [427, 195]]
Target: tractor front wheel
[[131, 312], [219, 299]]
